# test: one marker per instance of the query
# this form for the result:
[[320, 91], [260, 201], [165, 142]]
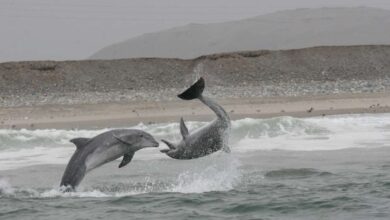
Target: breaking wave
[[32, 147]]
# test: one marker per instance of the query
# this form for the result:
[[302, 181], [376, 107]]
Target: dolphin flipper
[[169, 144], [126, 159], [183, 128], [195, 91]]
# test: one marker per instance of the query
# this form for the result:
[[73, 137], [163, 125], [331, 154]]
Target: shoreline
[[124, 114]]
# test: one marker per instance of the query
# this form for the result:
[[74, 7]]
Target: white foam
[[20, 148], [58, 193], [322, 133]]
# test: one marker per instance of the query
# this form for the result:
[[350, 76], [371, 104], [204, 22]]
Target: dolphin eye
[[141, 135]]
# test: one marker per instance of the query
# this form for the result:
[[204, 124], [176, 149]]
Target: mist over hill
[[281, 30]]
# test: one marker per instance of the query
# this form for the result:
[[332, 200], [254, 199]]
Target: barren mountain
[[282, 30]]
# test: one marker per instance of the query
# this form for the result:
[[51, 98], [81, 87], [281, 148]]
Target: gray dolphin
[[108, 146], [208, 139]]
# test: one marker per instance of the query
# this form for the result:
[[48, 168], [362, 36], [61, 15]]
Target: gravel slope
[[319, 70]]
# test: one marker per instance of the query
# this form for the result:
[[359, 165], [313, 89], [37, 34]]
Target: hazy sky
[[74, 29]]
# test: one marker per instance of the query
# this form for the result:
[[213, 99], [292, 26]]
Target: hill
[[282, 30]]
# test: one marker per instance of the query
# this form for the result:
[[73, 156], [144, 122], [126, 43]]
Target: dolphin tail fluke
[[194, 92]]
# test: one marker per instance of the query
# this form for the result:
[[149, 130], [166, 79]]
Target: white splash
[[216, 177], [5, 187], [220, 173]]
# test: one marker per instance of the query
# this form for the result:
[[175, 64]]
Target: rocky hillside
[[319, 70]]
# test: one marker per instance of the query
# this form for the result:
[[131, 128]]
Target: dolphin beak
[[164, 151], [156, 144]]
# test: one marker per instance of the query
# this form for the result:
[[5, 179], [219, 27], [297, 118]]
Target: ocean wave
[[252, 128], [296, 173], [20, 148], [17, 139]]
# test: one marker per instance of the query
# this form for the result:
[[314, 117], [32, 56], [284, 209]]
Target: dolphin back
[[195, 91]]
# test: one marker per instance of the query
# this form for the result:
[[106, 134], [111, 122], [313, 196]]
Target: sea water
[[333, 167]]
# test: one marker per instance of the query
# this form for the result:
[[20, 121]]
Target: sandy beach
[[121, 114], [258, 84]]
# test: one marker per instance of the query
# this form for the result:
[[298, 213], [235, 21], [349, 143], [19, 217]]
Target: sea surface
[[333, 167]]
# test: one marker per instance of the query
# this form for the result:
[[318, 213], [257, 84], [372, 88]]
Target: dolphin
[[208, 139], [108, 146]]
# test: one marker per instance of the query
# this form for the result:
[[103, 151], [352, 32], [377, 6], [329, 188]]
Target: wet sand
[[122, 114]]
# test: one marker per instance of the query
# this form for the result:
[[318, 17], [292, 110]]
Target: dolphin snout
[[164, 151], [155, 144]]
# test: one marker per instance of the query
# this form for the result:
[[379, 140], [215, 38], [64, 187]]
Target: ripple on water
[[296, 173]]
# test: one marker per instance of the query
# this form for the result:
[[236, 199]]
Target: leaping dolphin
[[205, 140], [108, 146]]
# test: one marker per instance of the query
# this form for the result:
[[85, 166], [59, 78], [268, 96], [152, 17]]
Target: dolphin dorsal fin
[[126, 159], [80, 142], [183, 129]]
